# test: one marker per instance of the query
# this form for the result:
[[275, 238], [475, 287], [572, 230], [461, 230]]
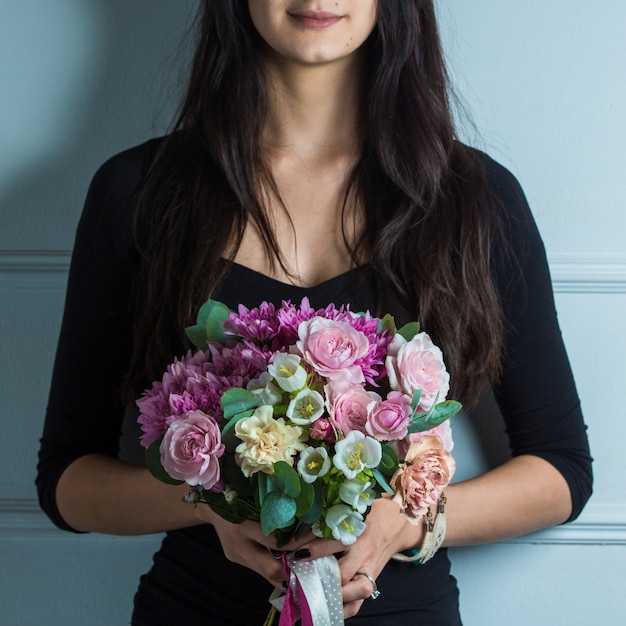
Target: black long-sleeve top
[[536, 392]]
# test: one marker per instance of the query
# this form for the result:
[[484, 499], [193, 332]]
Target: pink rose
[[388, 420], [332, 348], [191, 449], [347, 405], [417, 364], [323, 429], [421, 479]]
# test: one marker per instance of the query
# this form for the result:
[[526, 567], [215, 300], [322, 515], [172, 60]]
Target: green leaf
[[315, 512], [153, 461], [214, 324], [417, 394], [230, 512], [437, 415], [287, 479], [197, 336], [229, 439], [237, 400], [305, 500], [267, 485], [408, 331], [277, 511], [233, 477], [387, 323], [382, 481], [389, 462]]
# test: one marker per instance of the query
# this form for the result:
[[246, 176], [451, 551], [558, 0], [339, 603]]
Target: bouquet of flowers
[[300, 418]]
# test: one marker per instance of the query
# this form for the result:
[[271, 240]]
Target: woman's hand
[[387, 531], [246, 544]]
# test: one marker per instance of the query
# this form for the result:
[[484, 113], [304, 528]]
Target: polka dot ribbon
[[313, 594]]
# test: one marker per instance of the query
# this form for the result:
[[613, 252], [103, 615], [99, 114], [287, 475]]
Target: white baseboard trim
[[571, 273], [600, 524]]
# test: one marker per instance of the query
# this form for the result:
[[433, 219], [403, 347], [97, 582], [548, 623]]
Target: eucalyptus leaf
[[389, 462], [417, 395], [388, 323], [267, 485], [214, 323], [437, 415], [408, 331], [197, 336], [229, 438], [237, 400], [382, 481], [204, 311], [153, 462], [315, 512], [233, 477], [305, 500], [277, 511], [287, 479]]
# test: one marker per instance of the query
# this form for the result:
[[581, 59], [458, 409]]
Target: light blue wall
[[544, 82]]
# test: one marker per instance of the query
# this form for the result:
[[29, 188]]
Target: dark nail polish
[[302, 554], [285, 585]]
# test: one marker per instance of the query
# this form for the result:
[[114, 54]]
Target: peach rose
[[421, 479]]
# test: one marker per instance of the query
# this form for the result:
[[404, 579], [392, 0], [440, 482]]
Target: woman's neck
[[314, 111]]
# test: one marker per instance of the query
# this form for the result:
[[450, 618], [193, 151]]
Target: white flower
[[358, 494], [316, 529], [345, 523], [265, 389], [230, 495], [287, 371], [266, 441], [306, 407], [356, 452], [313, 462]]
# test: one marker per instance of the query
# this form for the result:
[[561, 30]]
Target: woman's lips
[[315, 19]]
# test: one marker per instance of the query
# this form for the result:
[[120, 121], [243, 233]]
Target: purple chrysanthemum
[[291, 316], [259, 324], [372, 363], [197, 382]]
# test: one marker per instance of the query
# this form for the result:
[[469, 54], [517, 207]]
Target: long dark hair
[[429, 224]]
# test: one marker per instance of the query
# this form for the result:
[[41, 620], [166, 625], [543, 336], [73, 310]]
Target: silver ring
[[374, 593]]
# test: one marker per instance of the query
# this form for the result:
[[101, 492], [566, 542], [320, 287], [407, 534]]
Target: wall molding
[[34, 269], [588, 273], [571, 273], [21, 518], [600, 524]]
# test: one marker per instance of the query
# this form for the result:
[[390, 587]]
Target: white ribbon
[[320, 582]]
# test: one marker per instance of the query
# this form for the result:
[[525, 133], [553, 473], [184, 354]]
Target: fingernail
[[302, 554], [285, 585], [338, 555]]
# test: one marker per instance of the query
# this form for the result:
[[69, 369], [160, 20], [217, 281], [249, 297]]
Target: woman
[[314, 155]]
